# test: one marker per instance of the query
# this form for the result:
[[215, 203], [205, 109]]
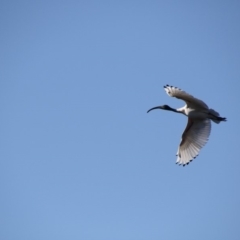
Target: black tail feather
[[222, 119]]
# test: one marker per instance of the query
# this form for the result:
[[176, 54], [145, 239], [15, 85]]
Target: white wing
[[189, 99], [194, 138]]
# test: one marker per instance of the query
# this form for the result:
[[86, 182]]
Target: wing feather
[[180, 94], [194, 137]]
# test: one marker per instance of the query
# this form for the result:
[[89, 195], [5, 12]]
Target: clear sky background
[[79, 156]]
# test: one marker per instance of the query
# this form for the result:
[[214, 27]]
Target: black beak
[[158, 107]]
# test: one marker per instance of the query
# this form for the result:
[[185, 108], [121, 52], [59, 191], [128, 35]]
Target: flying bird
[[198, 128]]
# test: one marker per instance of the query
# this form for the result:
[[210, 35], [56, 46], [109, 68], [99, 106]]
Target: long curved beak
[[158, 107]]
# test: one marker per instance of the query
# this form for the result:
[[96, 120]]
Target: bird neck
[[181, 110], [171, 109]]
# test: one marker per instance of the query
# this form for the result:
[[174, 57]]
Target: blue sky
[[80, 157]]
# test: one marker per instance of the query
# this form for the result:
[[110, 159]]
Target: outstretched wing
[[189, 99], [194, 137]]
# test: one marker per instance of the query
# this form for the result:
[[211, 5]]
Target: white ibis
[[198, 127]]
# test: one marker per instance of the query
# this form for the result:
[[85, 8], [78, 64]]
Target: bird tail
[[215, 117]]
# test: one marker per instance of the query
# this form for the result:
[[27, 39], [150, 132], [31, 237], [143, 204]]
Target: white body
[[198, 128]]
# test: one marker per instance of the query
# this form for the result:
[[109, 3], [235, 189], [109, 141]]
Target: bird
[[198, 128]]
